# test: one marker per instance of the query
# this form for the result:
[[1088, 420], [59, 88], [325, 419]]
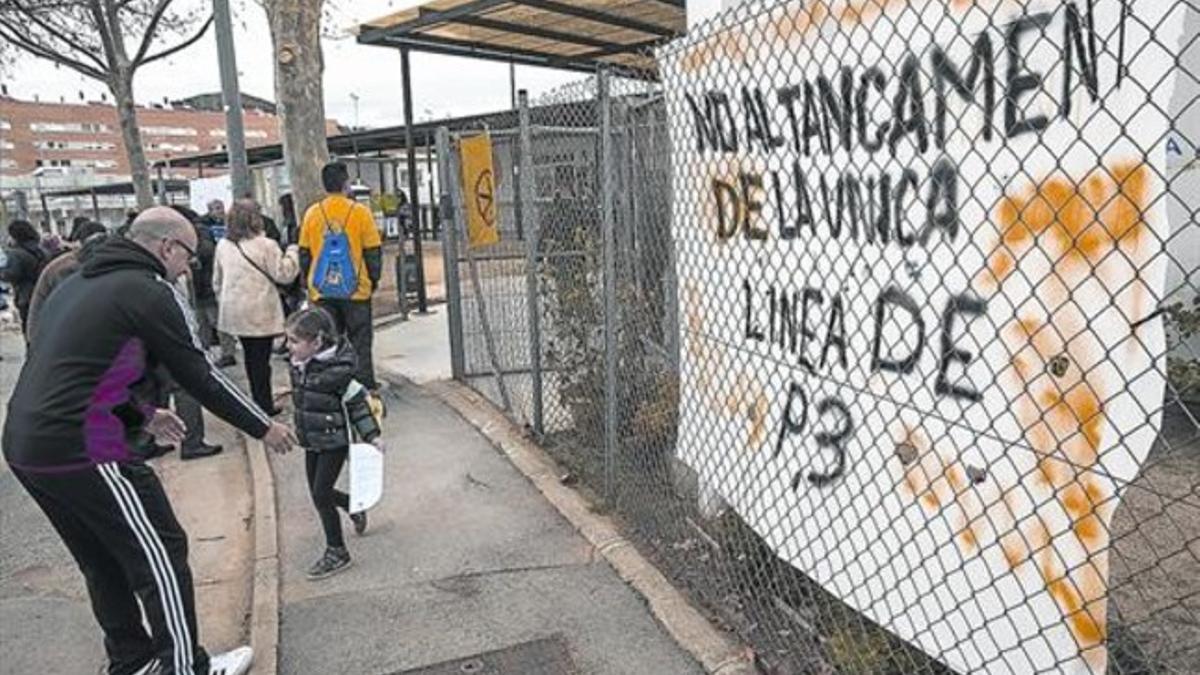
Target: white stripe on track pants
[[118, 524]]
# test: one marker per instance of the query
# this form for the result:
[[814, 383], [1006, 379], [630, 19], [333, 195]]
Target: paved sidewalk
[[419, 348], [463, 556], [46, 623]]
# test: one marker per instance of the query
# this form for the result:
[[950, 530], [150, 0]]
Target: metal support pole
[[95, 206], [524, 195], [450, 255], [512, 82], [235, 137], [434, 221], [162, 187], [413, 197], [401, 277], [607, 218], [47, 219]]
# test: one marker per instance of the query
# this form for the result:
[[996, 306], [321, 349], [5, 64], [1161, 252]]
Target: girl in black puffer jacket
[[330, 407]]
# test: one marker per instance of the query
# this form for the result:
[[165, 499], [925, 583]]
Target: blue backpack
[[334, 276]]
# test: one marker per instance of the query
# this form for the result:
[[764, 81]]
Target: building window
[[7, 163], [5, 125], [175, 147], [69, 127], [249, 133], [168, 131], [96, 163], [220, 147], [52, 162], [6, 145], [73, 145]]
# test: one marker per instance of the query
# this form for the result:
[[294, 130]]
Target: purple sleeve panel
[[104, 433]]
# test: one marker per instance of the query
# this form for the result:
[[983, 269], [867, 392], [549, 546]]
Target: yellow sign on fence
[[479, 190]]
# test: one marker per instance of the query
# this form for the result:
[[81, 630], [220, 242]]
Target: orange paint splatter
[[958, 478], [930, 499], [1015, 551], [968, 539], [1091, 532], [1075, 500], [1082, 222]]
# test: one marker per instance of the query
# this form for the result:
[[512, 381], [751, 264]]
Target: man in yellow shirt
[[338, 213]]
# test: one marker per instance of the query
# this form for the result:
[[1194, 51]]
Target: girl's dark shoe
[[333, 561], [360, 522]]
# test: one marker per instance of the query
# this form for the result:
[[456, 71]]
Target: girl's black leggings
[[323, 468]]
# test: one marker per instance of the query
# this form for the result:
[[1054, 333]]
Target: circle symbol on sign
[[484, 197]]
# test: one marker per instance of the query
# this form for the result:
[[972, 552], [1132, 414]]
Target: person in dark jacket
[[56, 271], [77, 417], [25, 261], [330, 407], [210, 228]]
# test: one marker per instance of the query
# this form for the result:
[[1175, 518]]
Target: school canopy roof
[[569, 34], [375, 141]]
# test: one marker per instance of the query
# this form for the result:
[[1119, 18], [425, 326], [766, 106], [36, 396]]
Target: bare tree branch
[[151, 29], [106, 40], [179, 47], [17, 38], [89, 36], [73, 42]]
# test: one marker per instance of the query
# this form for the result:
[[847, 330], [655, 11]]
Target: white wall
[[699, 11]]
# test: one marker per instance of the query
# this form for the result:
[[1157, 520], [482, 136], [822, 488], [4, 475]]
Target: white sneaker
[[233, 662]]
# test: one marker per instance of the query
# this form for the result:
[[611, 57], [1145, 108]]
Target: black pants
[[118, 524], [192, 414], [257, 352], [23, 312], [323, 468], [353, 318]]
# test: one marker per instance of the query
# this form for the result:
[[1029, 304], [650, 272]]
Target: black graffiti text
[[837, 428]]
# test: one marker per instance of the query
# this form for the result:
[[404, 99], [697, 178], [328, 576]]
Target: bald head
[[168, 236], [160, 222]]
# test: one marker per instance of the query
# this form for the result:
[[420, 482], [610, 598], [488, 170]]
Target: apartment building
[[47, 146], [87, 136]]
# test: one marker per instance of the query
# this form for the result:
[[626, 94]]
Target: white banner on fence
[[920, 246]]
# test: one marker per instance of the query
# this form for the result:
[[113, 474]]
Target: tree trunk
[[296, 34], [121, 86]]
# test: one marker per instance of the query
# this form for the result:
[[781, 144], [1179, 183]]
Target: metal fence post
[[525, 197], [450, 256], [481, 305], [607, 219]]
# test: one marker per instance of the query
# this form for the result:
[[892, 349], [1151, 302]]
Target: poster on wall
[[920, 250]]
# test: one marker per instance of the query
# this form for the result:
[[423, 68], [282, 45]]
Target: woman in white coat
[[247, 269]]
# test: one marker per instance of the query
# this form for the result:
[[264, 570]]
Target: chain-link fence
[[876, 323]]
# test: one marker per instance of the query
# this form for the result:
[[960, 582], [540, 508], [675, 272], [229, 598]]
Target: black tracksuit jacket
[[87, 384]]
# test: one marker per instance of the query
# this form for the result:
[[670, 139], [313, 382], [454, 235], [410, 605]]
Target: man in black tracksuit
[[80, 411]]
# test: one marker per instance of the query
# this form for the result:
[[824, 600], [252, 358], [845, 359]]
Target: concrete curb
[[264, 603], [717, 652]]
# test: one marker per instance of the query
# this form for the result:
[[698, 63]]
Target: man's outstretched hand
[[166, 427], [280, 438]]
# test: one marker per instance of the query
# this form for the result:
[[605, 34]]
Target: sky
[[442, 85]]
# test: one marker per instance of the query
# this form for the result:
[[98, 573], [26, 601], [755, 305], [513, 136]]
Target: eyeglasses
[[190, 251]]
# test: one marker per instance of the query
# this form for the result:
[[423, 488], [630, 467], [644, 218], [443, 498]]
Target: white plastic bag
[[366, 476]]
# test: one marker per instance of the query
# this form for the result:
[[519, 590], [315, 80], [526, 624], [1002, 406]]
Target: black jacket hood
[[121, 254]]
